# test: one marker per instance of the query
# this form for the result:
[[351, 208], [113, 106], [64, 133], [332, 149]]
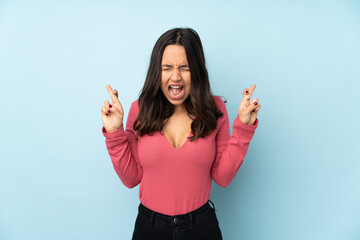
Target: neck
[[178, 109]]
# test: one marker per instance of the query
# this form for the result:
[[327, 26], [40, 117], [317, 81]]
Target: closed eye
[[167, 67]]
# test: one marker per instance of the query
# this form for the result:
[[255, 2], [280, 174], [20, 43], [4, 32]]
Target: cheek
[[163, 81], [163, 88], [164, 78], [187, 79], [188, 83]]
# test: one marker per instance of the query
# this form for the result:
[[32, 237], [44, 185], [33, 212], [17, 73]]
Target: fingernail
[[107, 114], [108, 111], [110, 106], [255, 103], [247, 91]]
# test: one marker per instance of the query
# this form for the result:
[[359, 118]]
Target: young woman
[[177, 139]]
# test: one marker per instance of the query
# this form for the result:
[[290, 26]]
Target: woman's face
[[175, 74]]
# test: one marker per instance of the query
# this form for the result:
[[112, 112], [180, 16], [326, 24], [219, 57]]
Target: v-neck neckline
[[168, 143]]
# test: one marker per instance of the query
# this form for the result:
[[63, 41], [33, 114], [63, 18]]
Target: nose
[[175, 75]]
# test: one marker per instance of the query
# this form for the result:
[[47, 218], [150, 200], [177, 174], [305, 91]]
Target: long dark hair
[[154, 107]]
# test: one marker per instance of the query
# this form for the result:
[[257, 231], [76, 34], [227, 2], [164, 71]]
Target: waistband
[[176, 220]]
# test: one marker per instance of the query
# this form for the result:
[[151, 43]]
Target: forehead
[[174, 54]]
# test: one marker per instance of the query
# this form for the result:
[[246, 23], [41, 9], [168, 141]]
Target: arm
[[230, 151], [122, 148]]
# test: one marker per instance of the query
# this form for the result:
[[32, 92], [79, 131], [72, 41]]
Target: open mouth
[[176, 91]]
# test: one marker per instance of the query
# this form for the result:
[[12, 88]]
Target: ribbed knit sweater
[[173, 180]]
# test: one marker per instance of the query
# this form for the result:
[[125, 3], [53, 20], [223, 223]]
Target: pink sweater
[[178, 180]]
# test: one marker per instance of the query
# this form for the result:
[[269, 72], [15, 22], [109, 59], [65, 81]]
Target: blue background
[[300, 178]]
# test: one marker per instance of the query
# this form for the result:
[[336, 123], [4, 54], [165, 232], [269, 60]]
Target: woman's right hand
[[112, 114]]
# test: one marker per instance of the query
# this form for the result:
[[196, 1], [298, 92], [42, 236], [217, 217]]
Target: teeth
[[176, 86], [178, 94]]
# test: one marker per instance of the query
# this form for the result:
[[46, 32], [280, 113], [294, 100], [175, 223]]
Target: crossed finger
[[247, 93], [114, 97]]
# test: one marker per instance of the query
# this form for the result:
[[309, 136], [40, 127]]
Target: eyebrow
[[182, 66]]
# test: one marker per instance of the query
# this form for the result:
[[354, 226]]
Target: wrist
[[243, 121], [110, 130]]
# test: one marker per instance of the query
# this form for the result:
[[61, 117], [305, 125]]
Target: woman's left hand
[[248, 110]]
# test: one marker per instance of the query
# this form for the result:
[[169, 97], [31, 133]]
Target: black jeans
[[199, 224]]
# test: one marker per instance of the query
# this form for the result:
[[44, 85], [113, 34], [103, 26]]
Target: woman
[[177, 139]]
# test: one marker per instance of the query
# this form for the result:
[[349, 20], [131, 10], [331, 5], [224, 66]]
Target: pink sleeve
[[122, 148], [230, 151]]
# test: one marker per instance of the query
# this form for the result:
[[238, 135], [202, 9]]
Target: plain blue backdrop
[[300, 179]]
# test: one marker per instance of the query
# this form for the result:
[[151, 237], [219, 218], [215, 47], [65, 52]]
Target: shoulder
[[219, 103], [222, 107], [134, 108], [135, 103]]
